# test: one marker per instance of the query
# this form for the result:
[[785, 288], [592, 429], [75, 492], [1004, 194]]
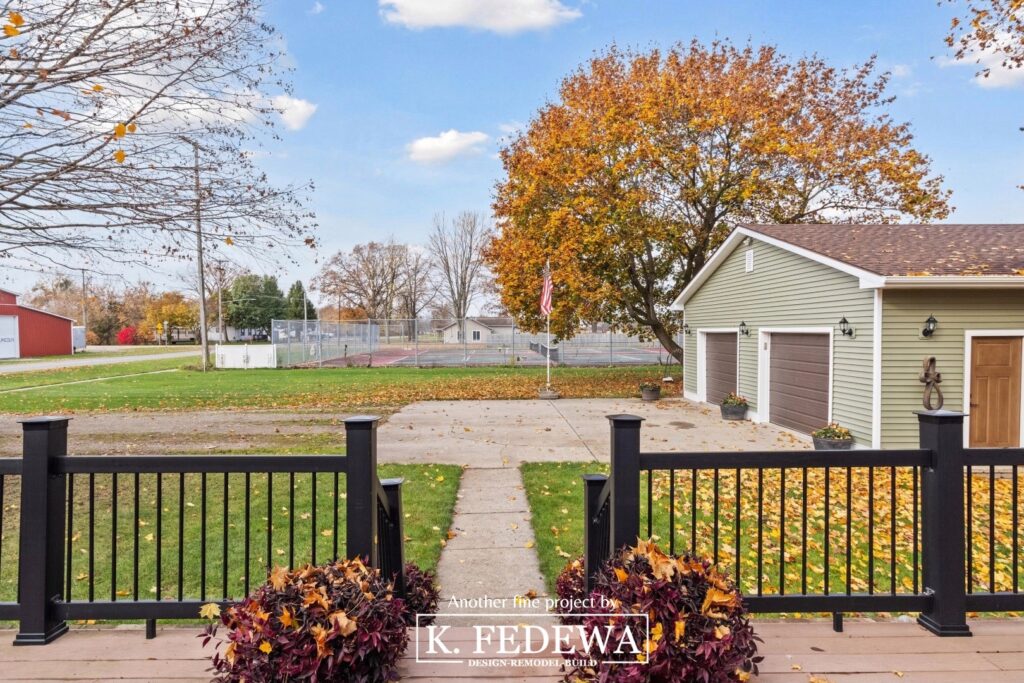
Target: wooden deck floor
[[794, 652]]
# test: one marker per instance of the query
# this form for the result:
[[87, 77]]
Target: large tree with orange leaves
[[640, 168]]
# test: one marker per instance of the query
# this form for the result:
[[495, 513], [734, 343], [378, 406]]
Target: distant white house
[[478, 330]]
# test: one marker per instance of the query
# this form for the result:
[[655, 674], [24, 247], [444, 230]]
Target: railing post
[[594, 548], [625, 480], [943, 526], [395, 549], [361, 488], [41, 558]]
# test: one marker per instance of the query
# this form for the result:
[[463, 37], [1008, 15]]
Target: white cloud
[[317, 8], [901, 70], [500, 16], [998, 75], [511, 127], [446, 146], [295, 112]]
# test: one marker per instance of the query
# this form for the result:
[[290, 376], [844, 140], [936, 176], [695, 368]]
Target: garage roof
[[912, 250], [888, 256]]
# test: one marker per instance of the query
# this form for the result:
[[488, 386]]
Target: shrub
[[128, 336], [421, 595], [649, 385], [833, 431], [734, 399], [335, 622], [571, 587], [699, 630]]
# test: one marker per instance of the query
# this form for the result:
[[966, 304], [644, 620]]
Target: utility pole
[[220, 301], [85, 310], [199, 253]]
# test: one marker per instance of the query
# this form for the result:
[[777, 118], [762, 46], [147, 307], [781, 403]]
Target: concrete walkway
[[33, 366], [492, 555]]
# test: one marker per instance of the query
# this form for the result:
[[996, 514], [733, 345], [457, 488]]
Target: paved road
[[30, 366]]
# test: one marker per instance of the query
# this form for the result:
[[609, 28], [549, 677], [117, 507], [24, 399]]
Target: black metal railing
[[827, 531], [157, 536]]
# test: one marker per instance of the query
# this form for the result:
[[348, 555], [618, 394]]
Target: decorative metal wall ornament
[[931, 379]]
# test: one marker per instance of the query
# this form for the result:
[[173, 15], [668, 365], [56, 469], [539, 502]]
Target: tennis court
[[446, 343], [451, 355]]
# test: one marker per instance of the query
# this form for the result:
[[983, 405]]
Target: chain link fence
[[434, 342]]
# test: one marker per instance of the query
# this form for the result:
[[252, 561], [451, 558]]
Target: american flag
[[545, 294]]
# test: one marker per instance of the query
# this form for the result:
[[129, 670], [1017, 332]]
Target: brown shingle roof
[[922, 249]]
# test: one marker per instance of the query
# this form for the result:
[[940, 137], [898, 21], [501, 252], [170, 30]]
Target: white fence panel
[[246, 357]]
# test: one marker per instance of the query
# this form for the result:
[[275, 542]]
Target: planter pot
[[734, 412], [650, 394], [832, 444]]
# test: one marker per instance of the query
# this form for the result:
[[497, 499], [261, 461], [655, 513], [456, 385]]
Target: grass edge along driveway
[[309, 389]]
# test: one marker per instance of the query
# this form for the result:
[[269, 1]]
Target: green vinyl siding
[[903, 347], [788, 290]]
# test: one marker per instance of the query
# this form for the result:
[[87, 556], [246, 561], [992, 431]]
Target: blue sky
[[383, 75]]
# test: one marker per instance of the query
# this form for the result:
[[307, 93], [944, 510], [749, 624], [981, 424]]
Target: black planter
[[832, 444], [734, 412], [650, 394]]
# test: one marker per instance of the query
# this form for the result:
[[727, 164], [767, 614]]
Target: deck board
[[794, 651]]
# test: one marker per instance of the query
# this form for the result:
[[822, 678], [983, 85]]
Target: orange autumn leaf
[[17, 19], [119, 156]]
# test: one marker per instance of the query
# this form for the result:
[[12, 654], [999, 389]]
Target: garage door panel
[[720, 366], [798, 380]]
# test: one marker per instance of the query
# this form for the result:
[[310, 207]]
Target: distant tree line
[[390, 280]]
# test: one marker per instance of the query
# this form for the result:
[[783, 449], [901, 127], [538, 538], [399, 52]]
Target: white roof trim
[[39, 310], [868, 280], [954, 281]]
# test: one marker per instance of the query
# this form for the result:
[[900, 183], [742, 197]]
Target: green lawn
[[127, 351], [428, 496], [38, 378], [327, 388], [555, 494]]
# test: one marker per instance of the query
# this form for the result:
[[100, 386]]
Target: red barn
[[27, 331]]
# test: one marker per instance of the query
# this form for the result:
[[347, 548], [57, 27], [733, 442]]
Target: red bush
[[335, 622], [571, 587], [698, 627], [128, 336]]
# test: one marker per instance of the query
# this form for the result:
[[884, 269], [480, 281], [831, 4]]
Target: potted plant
[[832, 437], [650, 391], [734, 407]]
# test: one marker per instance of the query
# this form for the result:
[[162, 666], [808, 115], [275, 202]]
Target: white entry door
[[9, 337]]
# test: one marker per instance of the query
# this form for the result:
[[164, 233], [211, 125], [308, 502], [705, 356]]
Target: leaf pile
[[698, 628]]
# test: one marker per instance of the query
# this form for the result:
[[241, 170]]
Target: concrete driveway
[[505, 433]]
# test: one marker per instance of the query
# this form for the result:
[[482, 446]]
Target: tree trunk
[[667, 341]]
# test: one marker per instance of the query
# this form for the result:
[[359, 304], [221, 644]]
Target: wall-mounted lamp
[[929, 326], [844, 327], [744, 330], [686, 329]]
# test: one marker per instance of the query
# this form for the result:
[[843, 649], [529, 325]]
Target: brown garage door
[[721, 362], [798, 390]]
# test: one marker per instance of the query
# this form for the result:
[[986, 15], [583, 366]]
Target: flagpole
[[548, 354]]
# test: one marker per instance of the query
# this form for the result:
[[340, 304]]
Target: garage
[[799, 381], [721, 365], [27, 332], [9, 336]]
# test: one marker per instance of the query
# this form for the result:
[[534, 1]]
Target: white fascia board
[[710, 267], [867, 279], [954, 281]]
